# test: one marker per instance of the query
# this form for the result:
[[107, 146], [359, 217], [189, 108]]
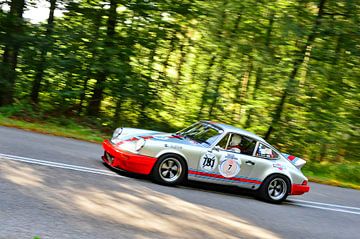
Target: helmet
[[235, 140]]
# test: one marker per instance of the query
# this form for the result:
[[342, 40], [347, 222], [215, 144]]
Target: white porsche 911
[[210, 152]]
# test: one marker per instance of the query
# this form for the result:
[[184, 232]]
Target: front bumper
[[299, 189], [127, 161]]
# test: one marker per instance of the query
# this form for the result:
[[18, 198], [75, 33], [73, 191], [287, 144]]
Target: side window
[[223, 143], [238, 144], [265, 152], [247, 146]]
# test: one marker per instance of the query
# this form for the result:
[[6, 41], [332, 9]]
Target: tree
[[44, 50], [97, 96], [14, 29]]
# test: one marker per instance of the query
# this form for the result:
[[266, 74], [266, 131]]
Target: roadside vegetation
[[23, 117], [342, 174], [287, 70]]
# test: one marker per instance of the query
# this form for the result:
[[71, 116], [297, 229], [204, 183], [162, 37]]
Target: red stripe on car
[[245, 180]]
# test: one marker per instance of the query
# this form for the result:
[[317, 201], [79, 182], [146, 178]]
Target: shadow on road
[[195, 185], [125, 207]]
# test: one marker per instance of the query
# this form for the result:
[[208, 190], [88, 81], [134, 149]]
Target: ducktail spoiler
[[297, 162]]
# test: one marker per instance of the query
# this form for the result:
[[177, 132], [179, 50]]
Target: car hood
[[129, 133], [138, 132], [121, 134]]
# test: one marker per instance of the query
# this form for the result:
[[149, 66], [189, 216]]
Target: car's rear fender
[[280, 174], [266, 168]]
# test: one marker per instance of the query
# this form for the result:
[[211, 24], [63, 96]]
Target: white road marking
[[326, 204], [59, 165], [296, 202], [324, 208]]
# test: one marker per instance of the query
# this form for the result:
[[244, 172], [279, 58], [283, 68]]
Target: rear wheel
[[275, 189], [170, 169]]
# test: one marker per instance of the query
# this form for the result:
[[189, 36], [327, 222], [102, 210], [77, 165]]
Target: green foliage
[[288, 70], [19, 110], [337, 172]]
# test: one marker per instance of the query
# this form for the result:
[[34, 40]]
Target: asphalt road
[[55, 187]]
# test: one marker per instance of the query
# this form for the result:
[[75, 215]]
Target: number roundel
[[229, 166], [208, 162]]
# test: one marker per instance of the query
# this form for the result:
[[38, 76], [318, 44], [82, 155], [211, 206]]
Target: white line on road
[[59, 165], [296, 202], [324, 208], [325, 204]]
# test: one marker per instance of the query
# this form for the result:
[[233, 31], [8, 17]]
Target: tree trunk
[[166, 63], [42, 62], [101, 76], [258, 79], [147, 91], [206, 86], [296, 65], [8, 68], [241, 92], [259, 72], [183, 49], [225, 56], [93, 51]]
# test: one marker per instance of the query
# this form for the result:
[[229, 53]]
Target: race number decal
[[208, 162], [229, 165]]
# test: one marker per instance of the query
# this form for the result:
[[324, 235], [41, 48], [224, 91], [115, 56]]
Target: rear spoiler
[[297, 162]]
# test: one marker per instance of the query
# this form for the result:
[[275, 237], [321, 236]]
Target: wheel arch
[[166, 153], [280, 174]]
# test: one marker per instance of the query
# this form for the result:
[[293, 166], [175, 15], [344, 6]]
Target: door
[[230, 162]]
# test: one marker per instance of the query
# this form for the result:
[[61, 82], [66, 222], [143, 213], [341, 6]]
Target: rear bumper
[[127, 161], [298, 189]]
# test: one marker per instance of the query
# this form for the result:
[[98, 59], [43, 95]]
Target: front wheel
[[275, 189], [169, 170]]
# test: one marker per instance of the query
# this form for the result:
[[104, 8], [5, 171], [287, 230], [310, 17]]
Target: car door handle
[[250, 162]]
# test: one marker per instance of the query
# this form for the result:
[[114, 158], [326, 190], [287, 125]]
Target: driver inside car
[[234, 144]]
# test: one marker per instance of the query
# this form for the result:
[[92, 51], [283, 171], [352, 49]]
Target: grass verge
[[70, 130], [346, 174]]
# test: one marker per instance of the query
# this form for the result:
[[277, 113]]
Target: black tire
[[275, 188], [170, 169]]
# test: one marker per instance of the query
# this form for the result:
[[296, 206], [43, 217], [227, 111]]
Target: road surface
[[54, 187]]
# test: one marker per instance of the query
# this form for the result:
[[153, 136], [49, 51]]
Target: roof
[[232, 129]]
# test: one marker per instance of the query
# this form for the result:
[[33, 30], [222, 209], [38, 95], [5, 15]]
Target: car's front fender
[[170, 151]]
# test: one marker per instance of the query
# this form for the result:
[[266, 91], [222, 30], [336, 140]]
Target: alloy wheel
[[170, 169], [277, 189]]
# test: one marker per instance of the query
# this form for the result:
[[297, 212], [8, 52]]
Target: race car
[[208, 152]]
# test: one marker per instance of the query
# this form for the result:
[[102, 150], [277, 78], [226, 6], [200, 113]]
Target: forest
[[287, 70]]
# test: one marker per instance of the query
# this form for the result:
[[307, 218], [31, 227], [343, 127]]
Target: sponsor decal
[[229, 165], [173, 146], [208, 162], [279, 166]]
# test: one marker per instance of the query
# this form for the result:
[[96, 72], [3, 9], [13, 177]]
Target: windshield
[[202, 133]]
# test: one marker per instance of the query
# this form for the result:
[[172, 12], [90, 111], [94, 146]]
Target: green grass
[[345, 174], [69, 130]]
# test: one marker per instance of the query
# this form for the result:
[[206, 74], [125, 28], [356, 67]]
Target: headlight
[[117, 132], [139, 144]]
